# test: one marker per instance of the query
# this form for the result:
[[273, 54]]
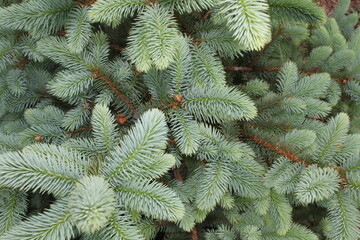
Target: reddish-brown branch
[[178, 101], [194, 234], [342, 176], [342, 181], [206, 16], [172, 141], [275, 149], [178, 175], [23, 63], [163, 223], [79, 130], [196, 41], [116, 47], [291, 157], [268, 163], [97, 74], [85, 3]]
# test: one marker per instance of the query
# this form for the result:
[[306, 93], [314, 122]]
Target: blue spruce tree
[[179, 119]]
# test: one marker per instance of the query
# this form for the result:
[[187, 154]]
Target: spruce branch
[[72, 80], [153, 39], [96, 73], [31, 171], [23, 63], [269, 69], [54, 223], [343, 217], [78, 29], [92, 202], [291, 156], [113, 12], [296, 11], [275, 149], [13, 206], [247, 20], [140, 150], [153, 199], [342, 81]]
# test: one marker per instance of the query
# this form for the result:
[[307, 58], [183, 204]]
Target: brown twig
[[172, 141], [163, 223], [85, 3], [178, 102], [292, 157], [79, 130], [178, 175], [206, 16], [97, 74], [116, 47], [194, 234], [275, 149], [196, 41], [23, 63], [268, 163]]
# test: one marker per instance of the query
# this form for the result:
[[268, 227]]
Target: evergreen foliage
[[179, 119]]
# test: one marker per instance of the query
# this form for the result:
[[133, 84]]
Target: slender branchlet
[[97, 74]]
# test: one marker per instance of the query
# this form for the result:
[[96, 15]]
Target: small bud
[[178, 98], [121, 119], [38, 138], [86, 105]]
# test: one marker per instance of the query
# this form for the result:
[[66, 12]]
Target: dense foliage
[[179, 119]]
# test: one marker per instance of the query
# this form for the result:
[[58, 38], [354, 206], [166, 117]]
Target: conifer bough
[[179, 119]]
